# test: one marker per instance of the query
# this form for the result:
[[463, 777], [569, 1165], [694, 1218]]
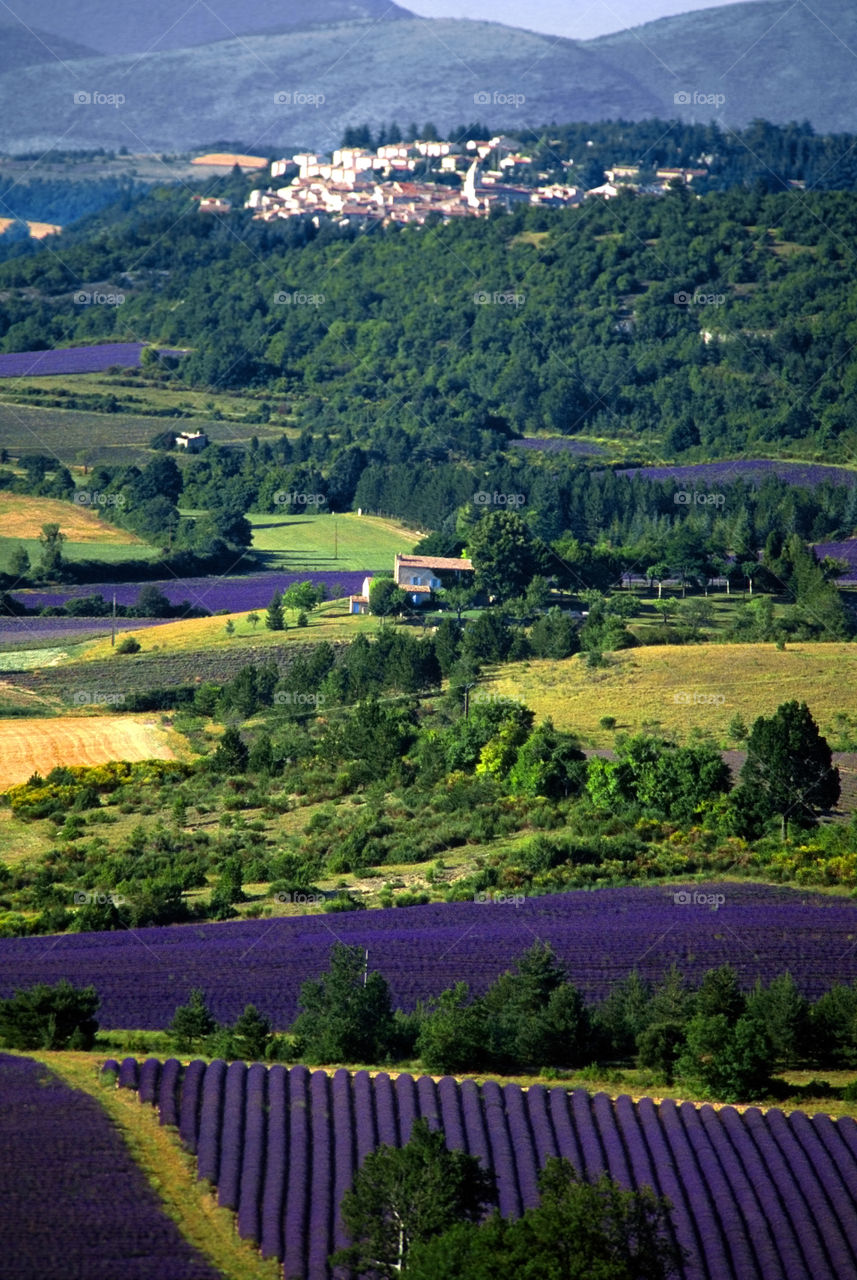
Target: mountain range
[[173, 77]]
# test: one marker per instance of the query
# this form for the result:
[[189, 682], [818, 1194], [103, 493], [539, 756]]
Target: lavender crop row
[[755, 1196], [235, 594], [74, 1202], [21, 364], [599, 935], [754, 470], [22, 632]]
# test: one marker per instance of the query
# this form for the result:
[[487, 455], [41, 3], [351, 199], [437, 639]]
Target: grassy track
[[313, 541], [682, 688], [170, 1171]]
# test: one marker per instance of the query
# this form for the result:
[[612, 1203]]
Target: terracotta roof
[[433, 562]]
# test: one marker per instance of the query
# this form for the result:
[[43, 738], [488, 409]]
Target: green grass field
[[79, 436], [315, 541], [682, 688]]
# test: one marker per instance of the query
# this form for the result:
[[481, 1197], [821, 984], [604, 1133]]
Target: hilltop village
[[409, 181]]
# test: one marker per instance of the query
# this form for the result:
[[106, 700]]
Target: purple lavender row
[[345, 1162], [189, 1106], [74, 1202], [275, 1162], [211, 1122], [229, 1181], [598, 936], [299, 1181], [321, 1204], [236, 594], [21, 364], [754, 470], [749, 1193], [253, 1154]]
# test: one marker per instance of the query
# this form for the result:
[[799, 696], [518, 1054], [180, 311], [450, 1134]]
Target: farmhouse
[[419, 575], [193, 441]]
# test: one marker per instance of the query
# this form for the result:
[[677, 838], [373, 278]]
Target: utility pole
[[467, 689]]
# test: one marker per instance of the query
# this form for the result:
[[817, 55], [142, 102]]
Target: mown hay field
[[37, 745], [22, 517], [682, 688]]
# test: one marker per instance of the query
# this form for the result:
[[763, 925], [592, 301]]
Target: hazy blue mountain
[[413, 69], [26, 46], [111, 26], [778, 61]]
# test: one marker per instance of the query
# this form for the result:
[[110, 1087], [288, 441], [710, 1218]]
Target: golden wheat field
[[683, 688], [34, 745], [22, 516]]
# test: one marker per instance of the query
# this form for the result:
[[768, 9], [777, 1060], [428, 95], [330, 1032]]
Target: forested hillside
[[715, 324]]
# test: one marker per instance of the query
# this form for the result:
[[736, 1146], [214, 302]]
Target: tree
[[730, 1059], [549, 763], [19, 562], [191, 1023], [458, 599], [232, 755], [274, 619], [45, 1017], [578, 1231], [51, 559], [534, 1016], [250, 1034], [406, 1196], [789, 769], [784, 1013], [452, 1032], [385, 598], [503, 554], [554, 635], [346, 1015]]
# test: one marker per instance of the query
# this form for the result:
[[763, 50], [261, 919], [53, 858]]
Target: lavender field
[[845, 550], [753, 470], [755, 1196], [238, 594], [69, 360], [20, 633], [599, 935], [75, 1203]]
